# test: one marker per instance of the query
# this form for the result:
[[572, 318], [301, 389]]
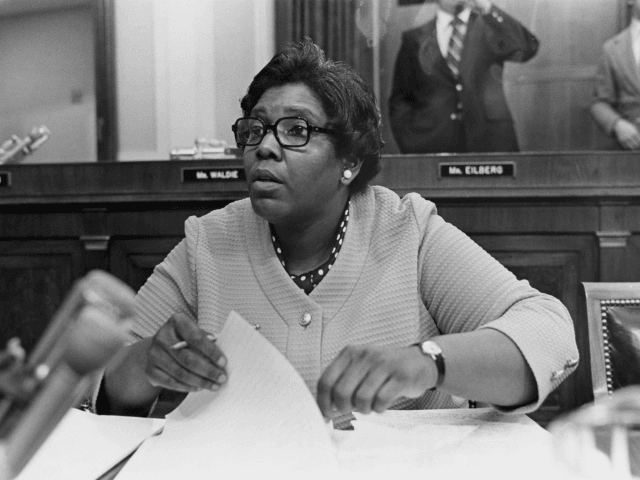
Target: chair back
[[613, 314]]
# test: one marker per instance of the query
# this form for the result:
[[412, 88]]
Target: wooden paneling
[[35, 275], [515, 217], [133, 260]]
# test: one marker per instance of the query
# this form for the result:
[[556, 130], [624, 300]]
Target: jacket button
[[305, 319], [459, 87]]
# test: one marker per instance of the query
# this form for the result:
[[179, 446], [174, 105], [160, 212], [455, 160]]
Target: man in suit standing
[[447, 93], [616, 103]]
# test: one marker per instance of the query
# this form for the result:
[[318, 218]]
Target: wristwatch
[[431, 349]]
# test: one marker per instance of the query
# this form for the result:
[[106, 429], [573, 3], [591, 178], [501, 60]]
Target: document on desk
[[482, 442], [84, 446], [263, 421]]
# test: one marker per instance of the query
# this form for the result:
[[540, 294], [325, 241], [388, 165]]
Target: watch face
[[431, 348]]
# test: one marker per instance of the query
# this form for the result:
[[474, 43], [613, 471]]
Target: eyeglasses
[[289, 131]]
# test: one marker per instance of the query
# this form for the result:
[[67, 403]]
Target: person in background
[[374, 299], [447, 93], [616, 102]]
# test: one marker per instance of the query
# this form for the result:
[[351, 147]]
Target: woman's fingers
[[352, 380], [344, 391], [327, 381], [198, 340], [184, 367], [159, 377], [388, 393], [366, 379], [185, 358], [367, 393]]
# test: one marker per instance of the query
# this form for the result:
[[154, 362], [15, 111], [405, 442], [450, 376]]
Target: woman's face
[[293, 185]]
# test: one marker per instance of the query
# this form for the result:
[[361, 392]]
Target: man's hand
[[184, 358], [369, 378], [482, 5], [627, 134]]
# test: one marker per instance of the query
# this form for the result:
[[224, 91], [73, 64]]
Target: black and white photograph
[[319, 239]]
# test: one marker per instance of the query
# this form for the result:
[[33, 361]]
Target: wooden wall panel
[[479, 217], [621, 264], [133, 260], [35, 276]]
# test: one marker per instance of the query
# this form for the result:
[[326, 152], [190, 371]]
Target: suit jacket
[[425, 93], [617, 90]]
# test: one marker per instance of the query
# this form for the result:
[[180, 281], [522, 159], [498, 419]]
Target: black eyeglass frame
[[274, 128]]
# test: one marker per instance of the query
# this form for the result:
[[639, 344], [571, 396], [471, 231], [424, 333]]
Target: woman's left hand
[[369, 378]]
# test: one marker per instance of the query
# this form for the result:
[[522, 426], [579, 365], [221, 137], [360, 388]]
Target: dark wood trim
[[595, 174], [105, 71], [591, 178]]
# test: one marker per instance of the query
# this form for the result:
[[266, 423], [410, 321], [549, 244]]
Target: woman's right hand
[[185, 367]]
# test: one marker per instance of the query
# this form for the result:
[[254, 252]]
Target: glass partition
[[68, 77], [549, 96]]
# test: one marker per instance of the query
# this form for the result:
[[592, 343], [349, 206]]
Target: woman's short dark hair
[[347, 100]]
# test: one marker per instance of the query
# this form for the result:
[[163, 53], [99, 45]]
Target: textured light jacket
[[403, 275]]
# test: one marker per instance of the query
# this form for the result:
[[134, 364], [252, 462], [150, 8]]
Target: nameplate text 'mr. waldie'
[[199, 175]]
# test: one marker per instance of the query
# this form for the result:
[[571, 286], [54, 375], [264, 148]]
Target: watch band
[[431, 349]]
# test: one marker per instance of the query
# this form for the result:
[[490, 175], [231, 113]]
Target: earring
[[347, 174]]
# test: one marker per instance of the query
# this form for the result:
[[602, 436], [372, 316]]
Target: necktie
[[455, 45]]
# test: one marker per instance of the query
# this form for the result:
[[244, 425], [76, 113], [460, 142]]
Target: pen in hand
[[183, 343]]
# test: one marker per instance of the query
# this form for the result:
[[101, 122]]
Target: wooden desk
[[561, 219]]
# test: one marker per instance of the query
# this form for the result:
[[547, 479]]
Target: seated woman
[[345, 279]]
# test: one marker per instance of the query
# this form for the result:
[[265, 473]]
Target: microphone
[[16, 148], [87, 331]]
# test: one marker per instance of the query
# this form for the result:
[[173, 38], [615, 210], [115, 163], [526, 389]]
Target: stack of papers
[[265, 422], [458, 443], [84, 446]]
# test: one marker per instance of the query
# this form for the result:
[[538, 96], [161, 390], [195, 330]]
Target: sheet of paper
[[84, 446], [263, 421], [452, 443]]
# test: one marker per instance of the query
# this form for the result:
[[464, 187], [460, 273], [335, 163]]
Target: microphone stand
[[87, 331]]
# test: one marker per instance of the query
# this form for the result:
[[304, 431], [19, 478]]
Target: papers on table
[[264, 421], [459, 443], [84, 446]]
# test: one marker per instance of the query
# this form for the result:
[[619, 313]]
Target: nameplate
[[5, 179], [197, 175], [453, 170]]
